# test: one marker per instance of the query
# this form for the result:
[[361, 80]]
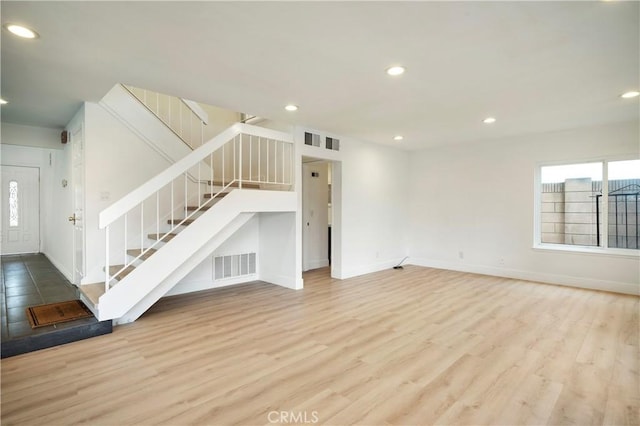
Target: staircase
[[156, 234]]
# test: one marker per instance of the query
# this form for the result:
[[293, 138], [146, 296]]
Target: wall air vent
[[333, 144], [311, 139], [235, 265]]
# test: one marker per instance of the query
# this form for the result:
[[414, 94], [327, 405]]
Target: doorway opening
[[320, 215]]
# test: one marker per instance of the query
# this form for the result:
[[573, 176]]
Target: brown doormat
[[54, 313]]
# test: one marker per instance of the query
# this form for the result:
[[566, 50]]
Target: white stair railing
[[181, 116], [148, 216]]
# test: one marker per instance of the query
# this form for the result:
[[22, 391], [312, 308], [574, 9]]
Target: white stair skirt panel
[[179, 273], [147, 283]]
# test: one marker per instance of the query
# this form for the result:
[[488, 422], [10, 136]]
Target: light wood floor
[[418, 346]]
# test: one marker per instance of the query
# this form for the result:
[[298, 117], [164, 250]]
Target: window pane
[[571, 210], [624, 187], [13, 203], [557, 174]]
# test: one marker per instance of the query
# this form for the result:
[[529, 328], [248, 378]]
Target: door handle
[[72, 218]]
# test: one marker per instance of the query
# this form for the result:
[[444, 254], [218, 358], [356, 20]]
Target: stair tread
[[177, 221], [219, 195], [92, 291], [192, 208], [162, 237], [113, 269], [246, 185], [136, 252]]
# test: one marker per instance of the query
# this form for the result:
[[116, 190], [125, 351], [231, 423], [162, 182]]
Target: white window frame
[[568, 248], [14, 223]]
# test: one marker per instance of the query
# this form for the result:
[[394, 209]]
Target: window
[[591, 204], [13, 203], [624, 188]]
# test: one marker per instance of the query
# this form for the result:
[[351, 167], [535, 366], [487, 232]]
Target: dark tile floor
[[28, 280]]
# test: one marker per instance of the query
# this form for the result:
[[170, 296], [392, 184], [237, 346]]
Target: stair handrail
[[193, 107], [135, 197]]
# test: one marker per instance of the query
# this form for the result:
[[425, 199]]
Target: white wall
[[58, 242], [37, 137], [478, 199], [23, 146], [276, 125], [375, 203], [219, 120], [278, 245]]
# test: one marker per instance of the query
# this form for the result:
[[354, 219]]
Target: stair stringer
[[132, 296], [137, 118], [176, 276]]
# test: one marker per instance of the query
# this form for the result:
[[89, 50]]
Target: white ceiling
[[535, 66]]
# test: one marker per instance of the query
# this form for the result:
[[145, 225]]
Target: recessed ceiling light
[[398, 138], [291, 107], [630, 95], [396, 70], [489, 120], [2, 101], [21, 31]]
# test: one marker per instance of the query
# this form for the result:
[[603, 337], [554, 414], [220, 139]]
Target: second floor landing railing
[[181, 116]]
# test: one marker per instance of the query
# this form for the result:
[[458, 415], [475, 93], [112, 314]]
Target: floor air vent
[[235, 265]]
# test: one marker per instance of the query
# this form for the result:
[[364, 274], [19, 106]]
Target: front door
[[20, 210]]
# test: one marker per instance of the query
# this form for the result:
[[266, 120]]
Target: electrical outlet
[[460, 255], [501, 261]]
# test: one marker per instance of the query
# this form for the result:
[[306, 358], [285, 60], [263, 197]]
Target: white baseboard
[[60, 267], [282, 280], [566, 280], [367, 269], [317, 263], [199, 285]]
